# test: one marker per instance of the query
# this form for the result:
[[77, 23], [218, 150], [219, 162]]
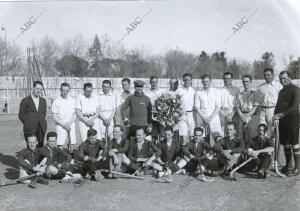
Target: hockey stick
[[19, 180], [122, 174], [276, 153], [231, 175]]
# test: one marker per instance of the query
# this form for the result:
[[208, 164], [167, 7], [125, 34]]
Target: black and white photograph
[[149, 105]]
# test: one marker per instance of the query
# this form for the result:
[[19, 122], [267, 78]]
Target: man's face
[[187, 81], [140, 136], [227, 80], [126, 86], [88, 91], [37, 90], [117, 132], [206, 83], [230, 130], [169, 135], [153, 83], [172, 84], [93, 139], [64, 91], [51, 142], [261, 131], [31, 143], [268, 76], [106, 87], [139, 89], [247, 83], [198, 136], [284, 79]]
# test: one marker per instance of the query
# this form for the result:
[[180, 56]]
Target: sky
[[191, 26]]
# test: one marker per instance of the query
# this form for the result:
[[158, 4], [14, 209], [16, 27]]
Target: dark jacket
[[236, 145], [148, 150], [55, 156], [169, 154], [191, 149], [140, 109], [33, 157], [92, 150], [121, 148], [30, 117]]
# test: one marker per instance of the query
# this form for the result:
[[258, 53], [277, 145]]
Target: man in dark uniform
[[227, 149], [117, 147], [91, 155], [261, 148], [29, 163], [32, 114], [141, 153], [140, 110], [58, 161], [169, 154], [287, 115]]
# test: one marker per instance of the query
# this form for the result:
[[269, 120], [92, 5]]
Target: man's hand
[[67, 126], [126, 122], [192, 156], [254, 154], [277, 116], [141, 159], [90, 123], [207, 120], [227, 153], [111, 152], [149, 128], [86, 158], [148, 163], [107, 122]]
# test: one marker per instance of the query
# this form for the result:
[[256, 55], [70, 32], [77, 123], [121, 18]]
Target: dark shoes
[[38, 179]]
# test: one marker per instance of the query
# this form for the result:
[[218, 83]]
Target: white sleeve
[[78, 104], [55, 108]]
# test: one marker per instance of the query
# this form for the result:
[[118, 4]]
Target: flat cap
[[139, 83], [91, 132]]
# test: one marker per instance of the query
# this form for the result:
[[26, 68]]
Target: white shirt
[[36, 101], [153, 94], [107, 103], [268, 93], [228, 95], [64, 108], [207, 101], [87, 105], [187, 97], [122, 96]]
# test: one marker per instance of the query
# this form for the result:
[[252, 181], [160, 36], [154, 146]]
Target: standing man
[[287, 115], [63, 110], [268, 93], [126, 86], [246, 105], [107, 109], [208, 104], [32, 113], [173, 84], [153, 93], [187, 123], [140, 110], [228, 95], [86, 111]]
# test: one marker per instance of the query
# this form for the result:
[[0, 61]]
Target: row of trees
[[104, 58]]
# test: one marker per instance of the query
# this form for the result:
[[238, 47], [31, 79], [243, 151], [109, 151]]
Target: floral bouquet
[[167, 109]]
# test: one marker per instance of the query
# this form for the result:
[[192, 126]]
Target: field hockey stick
[[17, 181], [276, 152], [231, 174]]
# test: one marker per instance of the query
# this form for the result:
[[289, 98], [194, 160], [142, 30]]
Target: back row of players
[[217, 109]]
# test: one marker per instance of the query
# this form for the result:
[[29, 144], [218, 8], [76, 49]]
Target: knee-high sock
[[288, 155], [296, 150]]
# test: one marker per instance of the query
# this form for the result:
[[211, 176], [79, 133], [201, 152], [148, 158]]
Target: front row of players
[[141, 156]]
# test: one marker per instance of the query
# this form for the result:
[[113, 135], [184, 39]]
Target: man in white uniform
[[268, 93], [63, 110], [153, 93], [86, 111], [208, 105], [107, 109], [187, 123], [228, 95]]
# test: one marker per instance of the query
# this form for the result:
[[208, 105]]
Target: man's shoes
[[42, 180], [260, 174], [32, 183], [202, 178], [284, 169], [98, 175], [290, 172]]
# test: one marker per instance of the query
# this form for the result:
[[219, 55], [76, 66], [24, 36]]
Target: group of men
[[117, 130]]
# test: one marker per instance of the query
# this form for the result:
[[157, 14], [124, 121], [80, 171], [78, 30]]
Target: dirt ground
[[184, 193]]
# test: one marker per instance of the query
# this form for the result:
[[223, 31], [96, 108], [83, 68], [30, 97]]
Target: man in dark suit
[[32, 114]]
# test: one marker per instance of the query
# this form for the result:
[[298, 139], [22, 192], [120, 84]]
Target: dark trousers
[[218, 162], [40, 135], [157, 130]]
